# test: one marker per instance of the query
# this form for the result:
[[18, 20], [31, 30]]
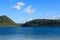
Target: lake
[[30, 33]]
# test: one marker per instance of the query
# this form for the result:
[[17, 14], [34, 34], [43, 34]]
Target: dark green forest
[[43, 22], [5, 21]]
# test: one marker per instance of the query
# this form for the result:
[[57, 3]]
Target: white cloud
[[49, 13], [57, 17], [40, 14], [29, 10], [18, 5], [25, 20]]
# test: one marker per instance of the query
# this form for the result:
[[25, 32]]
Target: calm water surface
[[30, 33]]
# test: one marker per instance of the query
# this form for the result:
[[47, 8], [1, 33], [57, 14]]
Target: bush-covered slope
[[5, 21]]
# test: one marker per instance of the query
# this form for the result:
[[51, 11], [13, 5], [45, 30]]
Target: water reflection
[[28, 37], [30, 33]]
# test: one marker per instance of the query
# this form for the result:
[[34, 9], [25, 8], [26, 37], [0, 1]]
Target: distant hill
[[42, 22], [5, 21]]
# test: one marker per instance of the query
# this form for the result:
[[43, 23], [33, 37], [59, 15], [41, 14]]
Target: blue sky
[[21, 11]]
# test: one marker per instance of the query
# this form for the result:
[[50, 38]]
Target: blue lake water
[[29, 33]]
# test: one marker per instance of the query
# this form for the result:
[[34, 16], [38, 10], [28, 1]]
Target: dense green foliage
[[5, 21], [42, 22]]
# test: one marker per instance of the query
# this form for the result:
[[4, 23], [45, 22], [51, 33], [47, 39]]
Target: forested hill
[[5, 21], [43, 22]]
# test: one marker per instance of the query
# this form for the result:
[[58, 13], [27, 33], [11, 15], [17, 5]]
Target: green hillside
[[5, 21], [42, 22]]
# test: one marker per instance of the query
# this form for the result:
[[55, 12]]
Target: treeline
[[5, 21], [43, 22]]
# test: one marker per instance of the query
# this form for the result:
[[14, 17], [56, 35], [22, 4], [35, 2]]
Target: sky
[[21, 11]]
